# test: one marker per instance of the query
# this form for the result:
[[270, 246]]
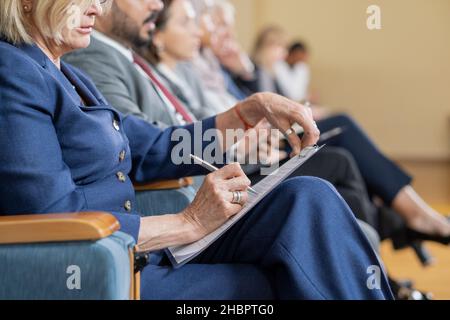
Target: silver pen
[[210, 167]]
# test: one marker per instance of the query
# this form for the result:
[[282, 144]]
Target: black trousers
[[383, 177], [338, 167]]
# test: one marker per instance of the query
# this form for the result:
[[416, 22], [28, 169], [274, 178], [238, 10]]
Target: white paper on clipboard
[[181, 255]]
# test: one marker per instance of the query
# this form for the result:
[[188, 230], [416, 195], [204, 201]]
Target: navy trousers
[[301, 242], [382, 176]]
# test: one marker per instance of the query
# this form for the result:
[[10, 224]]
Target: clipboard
[[180, 255]]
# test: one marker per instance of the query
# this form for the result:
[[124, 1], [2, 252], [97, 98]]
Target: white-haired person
[[63, 145], [383, 177]]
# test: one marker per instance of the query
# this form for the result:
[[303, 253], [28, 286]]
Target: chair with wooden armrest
[[66, 256], [164, 185], [79, 255], [164, 197]]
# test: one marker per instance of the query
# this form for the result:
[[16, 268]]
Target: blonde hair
[[49, 17]]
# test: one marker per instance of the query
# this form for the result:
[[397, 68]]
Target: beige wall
[[395, 82]]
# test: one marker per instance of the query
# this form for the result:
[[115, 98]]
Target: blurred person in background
[[284, 70], [206, 64], [294, 74], [383, 177], [175, 44]]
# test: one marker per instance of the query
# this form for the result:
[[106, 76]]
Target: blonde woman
[[64, 149]]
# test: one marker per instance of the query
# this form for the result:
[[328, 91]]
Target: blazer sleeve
[[155, 152], [187, 72], [35, 178]]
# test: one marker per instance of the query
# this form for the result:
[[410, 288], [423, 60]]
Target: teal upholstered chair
[[79, 255]]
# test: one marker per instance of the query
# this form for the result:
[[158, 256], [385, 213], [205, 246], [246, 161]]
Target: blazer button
[[116, 125], [121, 176], [122, 155], [127, 205]]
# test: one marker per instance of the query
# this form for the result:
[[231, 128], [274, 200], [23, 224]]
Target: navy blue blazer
[[62, 153]]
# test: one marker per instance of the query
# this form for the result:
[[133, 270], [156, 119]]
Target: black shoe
[[415, 235], [407, 236], [392, 226]]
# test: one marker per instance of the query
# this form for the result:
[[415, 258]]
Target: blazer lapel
[[33, 51], [37, 55], [88, 97]]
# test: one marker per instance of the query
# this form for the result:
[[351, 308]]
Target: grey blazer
[[192, 93], [124, 87]]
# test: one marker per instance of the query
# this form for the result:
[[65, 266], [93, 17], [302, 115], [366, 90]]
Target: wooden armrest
[[164, 185], [57, 227]]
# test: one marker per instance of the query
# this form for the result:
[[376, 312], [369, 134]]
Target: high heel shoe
[[393, 227], [415, 235], [419, 236]]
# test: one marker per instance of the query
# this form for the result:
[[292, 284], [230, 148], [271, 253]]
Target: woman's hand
[[210, 209], [213, 206], [282, 113], [260, 145]]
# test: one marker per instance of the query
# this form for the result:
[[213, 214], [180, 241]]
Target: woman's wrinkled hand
[[282, 114], [213, 206]]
